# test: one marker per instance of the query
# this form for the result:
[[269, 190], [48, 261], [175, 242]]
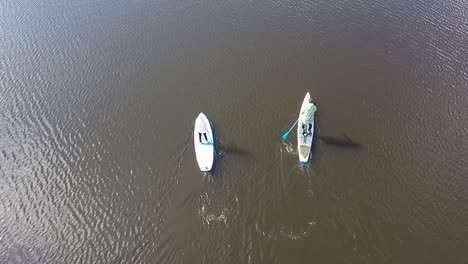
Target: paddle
[[286, 135]]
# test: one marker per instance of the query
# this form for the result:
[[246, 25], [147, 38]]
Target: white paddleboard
[[204, 143], [304, 142]]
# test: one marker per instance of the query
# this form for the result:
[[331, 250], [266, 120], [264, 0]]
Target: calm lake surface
[[98, 100]]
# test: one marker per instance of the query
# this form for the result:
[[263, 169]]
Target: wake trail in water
[[180, 157], [285, 189], [149, 234], [173, 180]]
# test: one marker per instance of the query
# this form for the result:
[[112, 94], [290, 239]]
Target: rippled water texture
[[98, 100]]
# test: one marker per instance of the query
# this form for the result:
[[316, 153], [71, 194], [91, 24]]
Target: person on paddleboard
[[307, 117], [204, 135]]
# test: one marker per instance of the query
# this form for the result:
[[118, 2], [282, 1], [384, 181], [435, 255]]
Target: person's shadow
[[344, 142]]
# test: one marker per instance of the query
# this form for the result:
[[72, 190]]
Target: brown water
[[98, 98]]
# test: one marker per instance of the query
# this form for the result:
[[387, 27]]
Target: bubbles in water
[[287, 233], [210, 217], [288, 147]]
